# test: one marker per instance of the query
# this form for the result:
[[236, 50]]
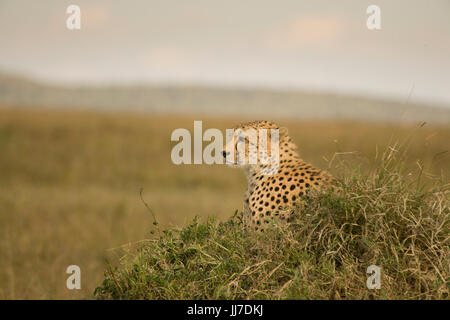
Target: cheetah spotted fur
[[273, 196]]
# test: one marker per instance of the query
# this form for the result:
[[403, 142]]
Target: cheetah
[[273, 188]]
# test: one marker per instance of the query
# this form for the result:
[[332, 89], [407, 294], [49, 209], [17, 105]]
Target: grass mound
[[389, 218]]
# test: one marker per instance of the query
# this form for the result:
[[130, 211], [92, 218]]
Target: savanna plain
[[81, 187]]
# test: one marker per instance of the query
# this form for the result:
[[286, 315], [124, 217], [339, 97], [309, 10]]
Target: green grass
[[389, 217]]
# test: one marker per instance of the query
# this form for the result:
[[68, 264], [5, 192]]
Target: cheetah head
[[254, 144]]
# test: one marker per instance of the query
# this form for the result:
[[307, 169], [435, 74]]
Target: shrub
[[387, 217]]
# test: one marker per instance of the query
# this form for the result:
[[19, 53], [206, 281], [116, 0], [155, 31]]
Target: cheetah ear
[[283, 131]]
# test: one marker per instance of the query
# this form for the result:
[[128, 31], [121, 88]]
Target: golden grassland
[[70, 185]]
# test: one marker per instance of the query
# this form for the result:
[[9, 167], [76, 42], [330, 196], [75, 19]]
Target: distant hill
[[248, 103]]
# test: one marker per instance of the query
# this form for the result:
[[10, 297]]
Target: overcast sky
[[323, 45]]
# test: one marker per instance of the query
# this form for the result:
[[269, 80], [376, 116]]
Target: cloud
[[166, 57], [303, 31], [95, 15]]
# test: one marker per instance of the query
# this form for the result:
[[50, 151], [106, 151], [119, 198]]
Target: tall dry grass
[[382, 218]]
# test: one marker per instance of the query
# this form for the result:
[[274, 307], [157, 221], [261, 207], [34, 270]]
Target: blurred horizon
[[210, 101], [323, 47]]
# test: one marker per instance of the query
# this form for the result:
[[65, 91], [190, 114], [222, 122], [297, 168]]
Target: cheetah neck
[[287, 151]]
